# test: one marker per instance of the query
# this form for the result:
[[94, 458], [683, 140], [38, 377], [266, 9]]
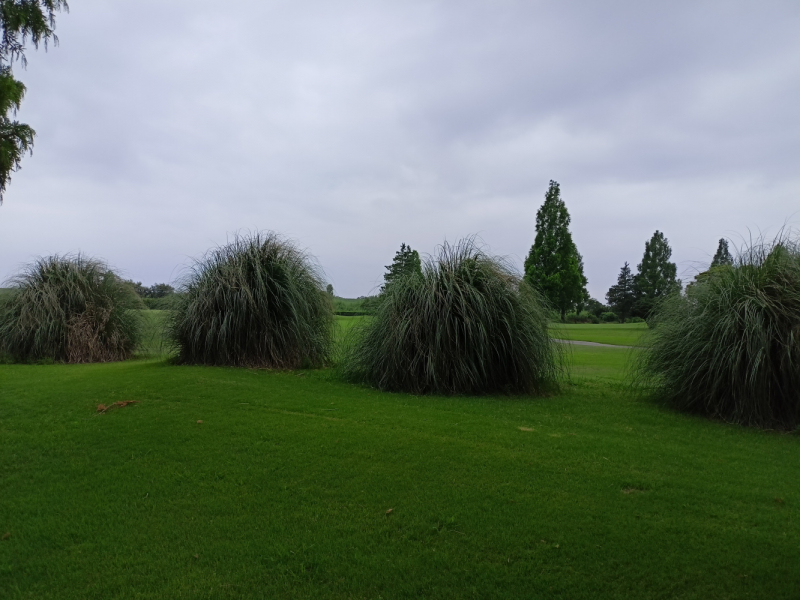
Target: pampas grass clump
[[466, 325], [730, 347], [71, 309], [258, 301]]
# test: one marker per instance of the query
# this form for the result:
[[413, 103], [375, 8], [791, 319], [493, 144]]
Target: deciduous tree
[[21, 21]]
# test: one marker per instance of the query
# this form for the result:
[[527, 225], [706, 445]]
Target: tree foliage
[[622, 296], [21, 21], [406, 262], [554, 266], [157, 290], [723, 255], [656, 277], [595, 307]]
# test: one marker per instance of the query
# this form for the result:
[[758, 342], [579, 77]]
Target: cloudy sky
[[165, 126]]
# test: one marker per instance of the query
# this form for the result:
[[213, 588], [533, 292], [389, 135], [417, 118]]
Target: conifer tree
[[723, 255], [554, 266], [622, 296], [656, 275], [405, 262]]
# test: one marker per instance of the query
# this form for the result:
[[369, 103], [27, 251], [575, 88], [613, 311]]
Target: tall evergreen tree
[[622, 296], [723, 255], [405, 262], [554, 265], [20, 21], [656, 275]]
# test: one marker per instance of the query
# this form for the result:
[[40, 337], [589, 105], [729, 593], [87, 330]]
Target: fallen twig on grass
[[102, 408]]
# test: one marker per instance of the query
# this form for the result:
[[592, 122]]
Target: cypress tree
[[656, 275], [622, 296], [405, 262], [554, 266], [723, 255]]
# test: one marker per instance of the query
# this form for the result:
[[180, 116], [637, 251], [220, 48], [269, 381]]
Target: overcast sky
[[166, 125]]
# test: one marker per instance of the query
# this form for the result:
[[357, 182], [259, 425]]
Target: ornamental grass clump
[[466, 325], [730, 347], [71, 309], [258, 301]]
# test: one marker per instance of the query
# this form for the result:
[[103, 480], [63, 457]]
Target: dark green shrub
[[258, 301], [593, 320], [730, 348], [466, 325], [583, 317], [636, 320], [609, 317], [70, 309]]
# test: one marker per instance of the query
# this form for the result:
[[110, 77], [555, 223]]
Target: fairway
[[295, 485], [617, 334]]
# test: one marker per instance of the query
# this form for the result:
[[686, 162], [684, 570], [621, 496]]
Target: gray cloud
[[354, 126]]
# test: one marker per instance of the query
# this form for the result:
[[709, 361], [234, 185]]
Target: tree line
[[555, 267]]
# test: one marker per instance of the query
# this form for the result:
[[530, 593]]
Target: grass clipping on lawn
[[729, 348], [467, 325], [258, 301], [69, 308]]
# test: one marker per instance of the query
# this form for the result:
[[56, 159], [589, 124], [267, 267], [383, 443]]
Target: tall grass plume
[[729, 348], [69, 308], [467, 324], [258, 301]]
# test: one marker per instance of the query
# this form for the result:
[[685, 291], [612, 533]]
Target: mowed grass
[[618, 334], [296, 485]]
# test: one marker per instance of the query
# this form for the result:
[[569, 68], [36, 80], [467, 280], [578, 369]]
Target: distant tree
[[722, 258], [329, 289], [406, 262], [621, 297], [20, 21], [159, 290], [595, 307], [554, 265], [723, 255], [656, 275], [137, 286]]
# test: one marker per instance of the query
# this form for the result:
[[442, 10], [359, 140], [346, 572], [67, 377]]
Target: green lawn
[[283, 490], [618, 334]]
